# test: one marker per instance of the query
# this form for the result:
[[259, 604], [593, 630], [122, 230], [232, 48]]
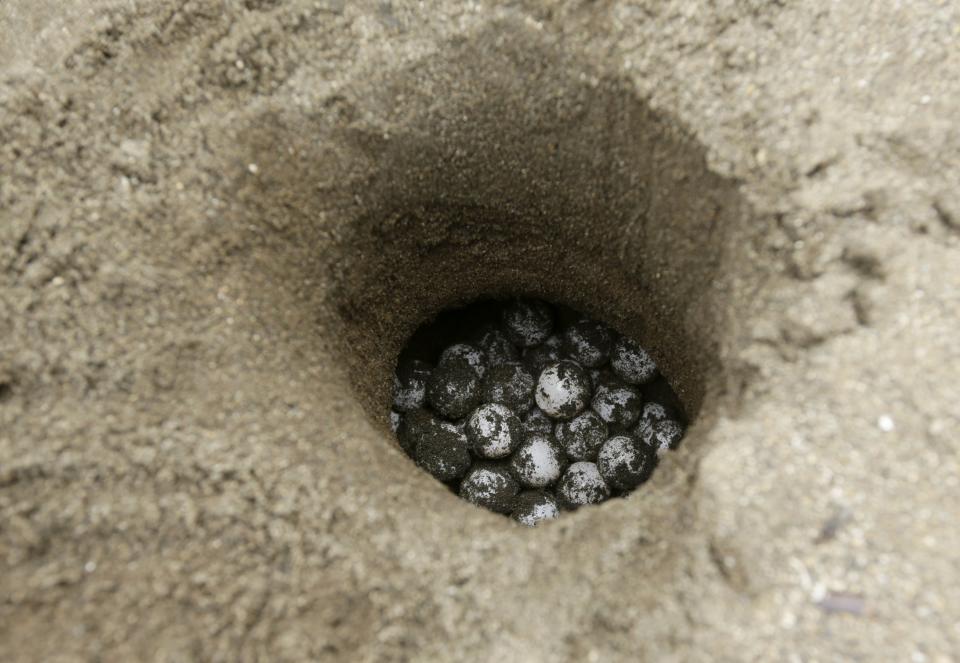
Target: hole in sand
[[541, 178], [570, 192]]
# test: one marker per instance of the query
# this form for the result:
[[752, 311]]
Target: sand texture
[[220, 220]]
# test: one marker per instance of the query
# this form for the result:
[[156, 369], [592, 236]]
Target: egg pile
[[537, 412]]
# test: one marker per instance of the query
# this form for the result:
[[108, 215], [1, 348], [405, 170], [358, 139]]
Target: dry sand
[[220, 220]]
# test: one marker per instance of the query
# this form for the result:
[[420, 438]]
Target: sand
[[220, 221]]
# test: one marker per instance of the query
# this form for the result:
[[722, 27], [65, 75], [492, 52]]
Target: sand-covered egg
[[563, 389], [537, 462], [410, 385], [582, 484], [665, 435], [549, 352], [631, 363], [494, 431], [453, 388], [442, 451], [623, 462], [459, 353], [412, 426], [509, 384], [532, 507], [618, 405], [496, 347], [588, 343], [491, 486], [528, 322], [651, 413], [536, 422], [582, 436]]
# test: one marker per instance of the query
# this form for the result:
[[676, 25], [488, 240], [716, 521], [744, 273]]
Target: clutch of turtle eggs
[[539, 411]]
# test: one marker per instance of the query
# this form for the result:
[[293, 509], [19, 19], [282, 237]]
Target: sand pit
[[220, 222]]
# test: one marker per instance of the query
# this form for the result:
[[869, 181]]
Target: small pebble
[[533, 506], [582, 484], [548, 352], [490, 485], [619, 407], [588, 343], [537, 463], [536, 422], [841, 602], [528, 322], [623, 462], [410, 385], [510, 384], [494, 431], [631, 363], [582, 436], [497, 347], [453, 388], [443, 452], [563, 390], [464, 352]]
